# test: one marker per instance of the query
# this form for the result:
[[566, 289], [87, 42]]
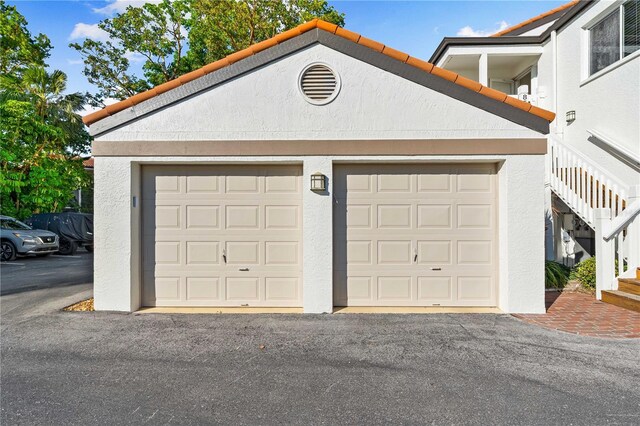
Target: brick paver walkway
[[582, 314]]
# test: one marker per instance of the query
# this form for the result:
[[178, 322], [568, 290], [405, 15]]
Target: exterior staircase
[[627, 295], [612, 210]]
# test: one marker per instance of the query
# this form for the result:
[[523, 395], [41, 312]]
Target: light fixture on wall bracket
[[571, 116], [318, 182]]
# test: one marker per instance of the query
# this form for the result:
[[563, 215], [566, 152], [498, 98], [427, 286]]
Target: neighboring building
[[83, 197], [318, 169], [581, 61]]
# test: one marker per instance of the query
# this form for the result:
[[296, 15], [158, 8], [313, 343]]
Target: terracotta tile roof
[[333, 29], [88, 162], [537, 18]]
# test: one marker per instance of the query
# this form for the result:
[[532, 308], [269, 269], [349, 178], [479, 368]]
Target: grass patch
[[83, 306]]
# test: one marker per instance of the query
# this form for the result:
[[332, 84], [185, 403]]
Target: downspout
[[550, 226], [554, 47]]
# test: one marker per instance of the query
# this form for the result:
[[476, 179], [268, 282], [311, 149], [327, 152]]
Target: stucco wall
[[266, 105], [521, 228], [609, 104]]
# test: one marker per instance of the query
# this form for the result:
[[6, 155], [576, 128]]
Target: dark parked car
[[17, 238], [74, 229]]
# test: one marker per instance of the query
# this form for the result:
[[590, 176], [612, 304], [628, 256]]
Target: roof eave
[[571, 13]]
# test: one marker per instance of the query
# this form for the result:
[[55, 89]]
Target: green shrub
[[585, 272], [556, 274]]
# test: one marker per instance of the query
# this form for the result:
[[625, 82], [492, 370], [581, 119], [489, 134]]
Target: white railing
[[617, 243], [582, 185]]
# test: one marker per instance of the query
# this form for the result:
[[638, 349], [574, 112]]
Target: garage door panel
[[281, 288], [203, 288], [168, 252], [359, 289], [282, 252], [434, 183], [242, 288], [394, 253], [242, 252], [242, 217], [474, 216], [281, 217], [168, 217], [474, 252], [475, 288], [432, 238], [435, 289], [434, 252], [394, 289], [203, 184], [193, 215], [358, 216], [359, 253], [242, 184], [281, 184], [394, 183], [203, 252], [475, 183], [394, 216], [434, 216], [203, 217]]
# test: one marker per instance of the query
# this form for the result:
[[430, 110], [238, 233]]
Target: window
[[605, 42], [631, 12], [614, 37]]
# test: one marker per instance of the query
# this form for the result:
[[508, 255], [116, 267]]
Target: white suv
[[17, 238]]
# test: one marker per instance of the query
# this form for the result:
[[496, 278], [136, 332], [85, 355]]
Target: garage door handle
[[436, 269], [243, 269], [224, 256]]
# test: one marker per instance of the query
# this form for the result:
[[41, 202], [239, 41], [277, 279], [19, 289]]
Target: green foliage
[[18, 48], [556, 274], [585, 272], [175, 37], [41, 134]]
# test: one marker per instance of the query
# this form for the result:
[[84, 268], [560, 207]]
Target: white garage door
[[222, 236], [415, 235]]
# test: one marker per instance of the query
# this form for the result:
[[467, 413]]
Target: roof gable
[[536, 21], [337, 38]]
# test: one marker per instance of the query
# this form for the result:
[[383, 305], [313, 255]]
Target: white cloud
[[119, 6], [134, 57], [74, 61], [92, 31], [470, 32]]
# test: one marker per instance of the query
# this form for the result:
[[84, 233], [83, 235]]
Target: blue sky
[[415, 27]]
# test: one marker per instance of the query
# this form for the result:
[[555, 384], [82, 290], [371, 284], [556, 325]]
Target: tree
[[18, 48], [41, 134], [175, 37]]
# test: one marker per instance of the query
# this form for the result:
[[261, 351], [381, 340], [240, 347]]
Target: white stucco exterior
[[604, 138], [117, 280], [267, 105]]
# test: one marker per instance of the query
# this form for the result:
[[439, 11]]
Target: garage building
[[316, 170]]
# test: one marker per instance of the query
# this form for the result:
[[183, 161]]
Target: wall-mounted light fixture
[[318, 182], [571, 116]]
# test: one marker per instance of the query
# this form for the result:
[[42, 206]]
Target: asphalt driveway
[[112, 368], [30, 272]]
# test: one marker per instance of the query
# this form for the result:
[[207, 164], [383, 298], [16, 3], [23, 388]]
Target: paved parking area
[[30, 273], [112, 368], [581, 313]]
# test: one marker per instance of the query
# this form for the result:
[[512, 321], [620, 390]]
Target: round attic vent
[[319, 84]]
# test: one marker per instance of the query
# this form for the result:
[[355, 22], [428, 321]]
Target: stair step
[[629, 285], [622, 299]]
